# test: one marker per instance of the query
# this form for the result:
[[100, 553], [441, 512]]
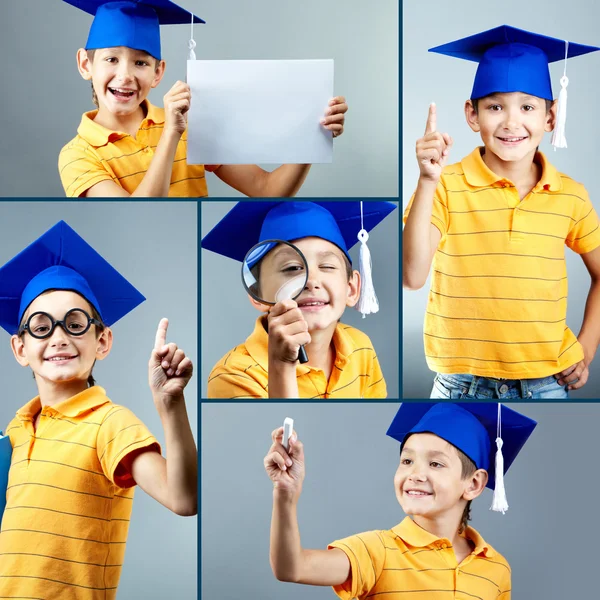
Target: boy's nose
[[511, 119], [58, 337], [124, 72]]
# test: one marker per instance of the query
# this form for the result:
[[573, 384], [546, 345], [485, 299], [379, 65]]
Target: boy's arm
[[289, 561], [420, 238], [157, 180], [172, 482], [589, 335], [286, 180], [254, 182]]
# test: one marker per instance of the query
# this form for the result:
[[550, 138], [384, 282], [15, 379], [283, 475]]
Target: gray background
[[228, 318], [349, 489], [154, 246], [448, 82], [45, 96]]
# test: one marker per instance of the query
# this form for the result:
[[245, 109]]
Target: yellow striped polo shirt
[[409, 563], [97, 154], [67, 511], [497, 305], [242, 373]]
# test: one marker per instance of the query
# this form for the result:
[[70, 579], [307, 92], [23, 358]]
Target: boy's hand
[[287, 331], [177, 105], [334, 116], [169, 369], [433, 148], [577, 374], [286, 469]]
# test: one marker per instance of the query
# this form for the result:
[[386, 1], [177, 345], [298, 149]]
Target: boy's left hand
[[169, 369], [577, 374], [334, 116]]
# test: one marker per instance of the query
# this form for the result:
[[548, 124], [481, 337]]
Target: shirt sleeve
[[439, 213], [366, 553], [505, 586], [80, 169], [584, 234], [376, 387], [121, 433]]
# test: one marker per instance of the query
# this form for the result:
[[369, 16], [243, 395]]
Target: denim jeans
[[455, 387]]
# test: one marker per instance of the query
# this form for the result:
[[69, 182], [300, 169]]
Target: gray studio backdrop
[[350, 466], [45, 96], [154, 246], [448, 82], [228, 318]]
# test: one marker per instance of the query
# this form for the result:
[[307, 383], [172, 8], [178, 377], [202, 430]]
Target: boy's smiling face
[[122, 77], [429, 482], [61, 358], [511, 125], [328, 290]]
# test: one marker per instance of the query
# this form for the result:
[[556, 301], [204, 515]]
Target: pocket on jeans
[[440, 390]]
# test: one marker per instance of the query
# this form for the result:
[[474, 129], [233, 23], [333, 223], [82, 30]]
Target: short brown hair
[[468, 467]]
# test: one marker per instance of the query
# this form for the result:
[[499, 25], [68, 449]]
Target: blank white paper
[[259, 111]]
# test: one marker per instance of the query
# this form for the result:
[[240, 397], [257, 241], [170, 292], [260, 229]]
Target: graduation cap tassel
[[499, 502], [192, 43], [367, 302], [558, 137]]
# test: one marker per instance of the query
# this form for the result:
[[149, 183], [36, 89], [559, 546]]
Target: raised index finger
[[431, 119], [161, 334]]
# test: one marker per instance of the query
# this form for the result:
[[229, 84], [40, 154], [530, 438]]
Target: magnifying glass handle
[[302, 356]]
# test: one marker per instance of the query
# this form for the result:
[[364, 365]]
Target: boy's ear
[[551, 117], [158, 73], [476, 484], [104, 343], [259, 305], [471, 116], [353, 289], [18, 348], [84, 64]]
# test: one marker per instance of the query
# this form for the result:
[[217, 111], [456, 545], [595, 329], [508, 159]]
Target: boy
[[128, 147], [76, 455], [446, 461], [495, 226], [342, 362]]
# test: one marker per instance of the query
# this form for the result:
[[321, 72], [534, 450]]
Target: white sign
[[259, 111]]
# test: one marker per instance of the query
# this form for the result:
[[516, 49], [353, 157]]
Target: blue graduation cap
[[472, 428], [512, 60], [61, 260], [249, 223], [131, 23]]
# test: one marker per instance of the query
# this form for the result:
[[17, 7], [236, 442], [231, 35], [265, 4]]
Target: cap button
[[503, 388]]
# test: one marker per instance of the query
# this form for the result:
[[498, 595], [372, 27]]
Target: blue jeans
[[459, 387]]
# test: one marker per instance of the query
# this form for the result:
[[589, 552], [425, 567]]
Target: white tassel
[[367, 302], [499, 503], [192, 43], [558, 137]]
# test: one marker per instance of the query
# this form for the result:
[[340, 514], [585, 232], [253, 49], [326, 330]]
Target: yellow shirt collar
[[257, 347], [71, 407], [98, 135], [418, 537], [478, 174]]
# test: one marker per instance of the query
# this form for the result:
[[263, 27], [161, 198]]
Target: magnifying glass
[[274, 270]]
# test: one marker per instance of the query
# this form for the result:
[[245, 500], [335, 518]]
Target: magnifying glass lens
[[274, 271]]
